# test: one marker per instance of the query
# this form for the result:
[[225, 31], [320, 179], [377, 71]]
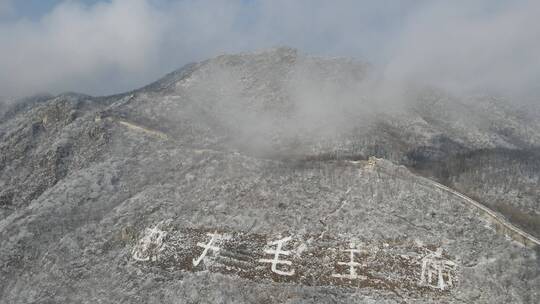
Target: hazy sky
[[103, 47]]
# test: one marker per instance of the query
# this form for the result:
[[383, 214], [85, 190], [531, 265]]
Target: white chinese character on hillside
[[352, 275], [149, 245], [276, 261], [214, 237], [437, 272]]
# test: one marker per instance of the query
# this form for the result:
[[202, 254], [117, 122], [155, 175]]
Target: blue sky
[[105, 47], [34, 9]]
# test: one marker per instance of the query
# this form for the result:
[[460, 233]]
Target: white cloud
[[119, 45], [79, 47], [464, 47]]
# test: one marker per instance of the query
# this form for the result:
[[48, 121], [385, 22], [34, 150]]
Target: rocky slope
[[248, 179]]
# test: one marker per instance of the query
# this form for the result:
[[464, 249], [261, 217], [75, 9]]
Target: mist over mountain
[[105, 47], [270, 177]]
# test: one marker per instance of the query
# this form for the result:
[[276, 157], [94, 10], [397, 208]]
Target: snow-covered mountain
[[269, 177]]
